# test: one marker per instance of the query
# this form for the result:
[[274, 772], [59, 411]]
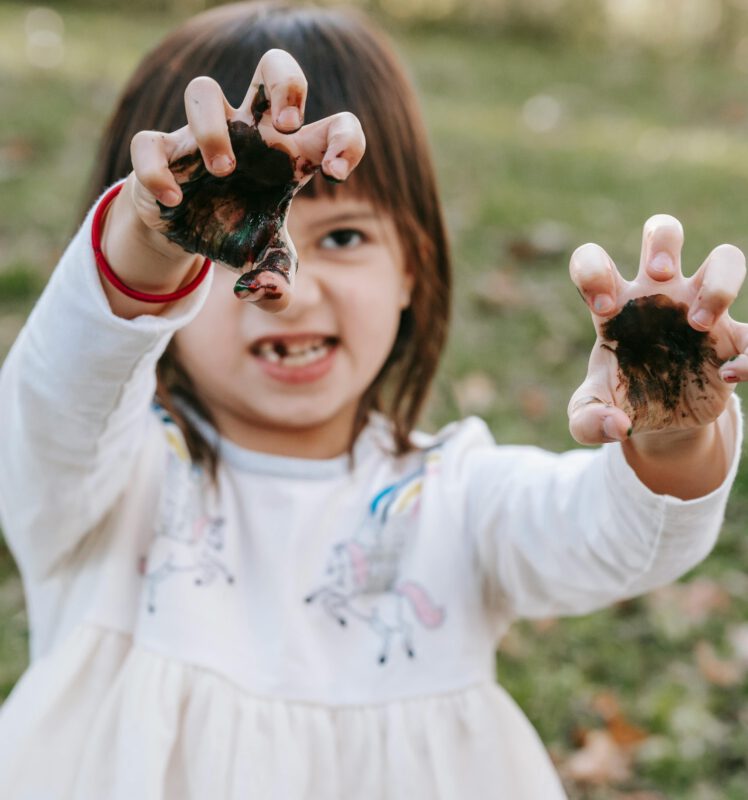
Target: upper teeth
[[294, 353]]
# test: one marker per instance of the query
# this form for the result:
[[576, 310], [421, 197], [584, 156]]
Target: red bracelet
[[108, 272]]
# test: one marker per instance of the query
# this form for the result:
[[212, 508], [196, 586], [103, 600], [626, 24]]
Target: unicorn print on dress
[[362, 575], [189, 541]]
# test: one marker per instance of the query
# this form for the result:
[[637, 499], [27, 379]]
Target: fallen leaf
[[547, 239], [475, 393], [682, 606], [600, 761], [544, 625], [534, 402], [718, 671], [499, 290], [624, 733]]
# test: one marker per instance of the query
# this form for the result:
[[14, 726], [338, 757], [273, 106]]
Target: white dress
[[309, 630]]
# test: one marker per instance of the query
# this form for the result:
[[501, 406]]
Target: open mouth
[[296, 352]]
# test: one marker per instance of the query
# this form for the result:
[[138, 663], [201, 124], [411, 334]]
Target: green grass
[[636, 135]]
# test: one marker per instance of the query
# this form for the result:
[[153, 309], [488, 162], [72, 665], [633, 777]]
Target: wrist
[[149, 285], [672, 443], [126, 241], [684, 463]]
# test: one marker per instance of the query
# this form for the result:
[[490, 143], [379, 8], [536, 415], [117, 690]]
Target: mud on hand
[[240, 219]]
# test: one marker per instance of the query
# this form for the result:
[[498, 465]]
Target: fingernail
[[221, 164], [662, 263], [290, 118], [603, 303], [729, 376], [338, 168], [703, 317], [609, 429], [170, 198]]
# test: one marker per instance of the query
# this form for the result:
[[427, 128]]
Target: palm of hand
[[240, 219], [222, 185], [654, 367]]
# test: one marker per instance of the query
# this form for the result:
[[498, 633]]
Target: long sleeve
[[566, 534], [75, 393]]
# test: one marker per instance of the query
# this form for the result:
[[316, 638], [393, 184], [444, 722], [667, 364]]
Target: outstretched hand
[[222, 185], [667, 354]]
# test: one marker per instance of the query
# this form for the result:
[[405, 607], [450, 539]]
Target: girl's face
[[290, 383]]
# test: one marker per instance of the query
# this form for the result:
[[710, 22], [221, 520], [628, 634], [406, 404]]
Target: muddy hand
[[667, 354], [222, 186]]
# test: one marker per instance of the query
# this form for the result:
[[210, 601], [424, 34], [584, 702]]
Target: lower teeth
[[296, 359]]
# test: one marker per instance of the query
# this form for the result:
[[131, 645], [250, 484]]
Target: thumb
[[593, 418]]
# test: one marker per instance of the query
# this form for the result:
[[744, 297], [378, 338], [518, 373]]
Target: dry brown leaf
[[475, 393], [719, 671], [534, 402], [544, 625], [600, 761], [685, 605], [703, 597], [624, 733], [548, 239], [499, 290]]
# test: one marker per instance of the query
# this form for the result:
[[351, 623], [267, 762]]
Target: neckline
[[254, 461]]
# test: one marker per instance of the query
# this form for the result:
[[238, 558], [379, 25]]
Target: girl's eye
[[344, 237]]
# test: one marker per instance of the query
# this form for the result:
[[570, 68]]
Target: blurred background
[[553, 122]]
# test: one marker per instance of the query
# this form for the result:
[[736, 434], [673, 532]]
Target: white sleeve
[[566, 534], [75, 395]]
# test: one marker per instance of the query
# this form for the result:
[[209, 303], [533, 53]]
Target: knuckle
[[716, 296], [151, 176], [213, 142], [142, 139]]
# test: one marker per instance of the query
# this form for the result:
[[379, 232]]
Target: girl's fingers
[[340, 142], [735, 370], [593, 419], [718, 281], [662, 241], [596, 278], [279, 81], [150, 152], [207, 111]]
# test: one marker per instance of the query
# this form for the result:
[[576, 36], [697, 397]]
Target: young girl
[[266, 585]]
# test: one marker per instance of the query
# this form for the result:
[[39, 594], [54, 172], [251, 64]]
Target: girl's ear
[[406, 290]]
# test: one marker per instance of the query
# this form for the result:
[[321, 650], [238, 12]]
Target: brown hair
[[350, 67]]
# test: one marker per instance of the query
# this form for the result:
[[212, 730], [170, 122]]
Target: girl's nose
[[307, 291]]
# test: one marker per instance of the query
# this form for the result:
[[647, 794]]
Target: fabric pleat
[[160, 729]]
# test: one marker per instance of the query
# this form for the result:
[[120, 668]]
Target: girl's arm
[[75, 393], [566, 534]]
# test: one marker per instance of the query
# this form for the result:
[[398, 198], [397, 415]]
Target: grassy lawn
[[540, 147]]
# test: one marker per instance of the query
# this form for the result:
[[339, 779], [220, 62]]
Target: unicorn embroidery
[[192, 539], [362, 573], [198, 556]]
